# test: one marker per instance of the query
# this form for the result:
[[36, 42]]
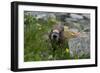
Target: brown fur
[[64, 34]]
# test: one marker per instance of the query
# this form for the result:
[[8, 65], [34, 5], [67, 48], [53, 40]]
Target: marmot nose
[[54, 36]]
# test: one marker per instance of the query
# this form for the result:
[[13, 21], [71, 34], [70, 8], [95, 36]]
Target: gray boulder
[[80, 46], [76, 16]]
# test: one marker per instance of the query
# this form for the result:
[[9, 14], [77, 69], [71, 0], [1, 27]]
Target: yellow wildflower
[[67, 50]]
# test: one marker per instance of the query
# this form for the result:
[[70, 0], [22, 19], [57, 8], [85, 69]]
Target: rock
[[62, 16], [51, 15], [71, 19], [87, 16], [27, 13], [41, 17], [79, 46], [73, 29], [77, 25], [76, 16], [87, 29], [84, 22]]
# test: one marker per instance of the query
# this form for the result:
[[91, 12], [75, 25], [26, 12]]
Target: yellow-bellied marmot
[[59, 33]]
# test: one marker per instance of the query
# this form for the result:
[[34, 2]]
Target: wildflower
[[67, 50]]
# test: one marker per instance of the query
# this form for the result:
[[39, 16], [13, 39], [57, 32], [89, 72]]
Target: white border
[[22, 64]]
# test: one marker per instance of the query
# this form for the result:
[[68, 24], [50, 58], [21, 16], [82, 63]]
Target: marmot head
[[56, 33]]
